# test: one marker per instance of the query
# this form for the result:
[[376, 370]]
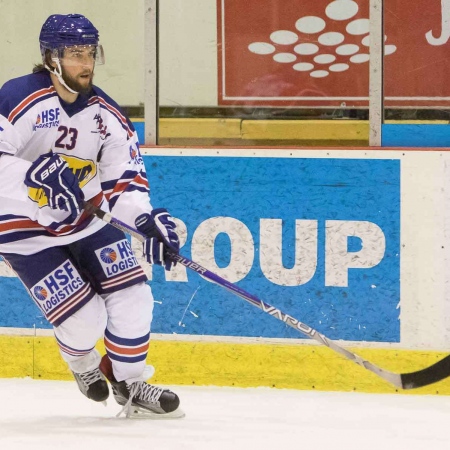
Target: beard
[[74, 84]]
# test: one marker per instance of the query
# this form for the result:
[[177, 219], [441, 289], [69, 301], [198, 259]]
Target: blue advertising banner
[[317, 238], [350, 212]]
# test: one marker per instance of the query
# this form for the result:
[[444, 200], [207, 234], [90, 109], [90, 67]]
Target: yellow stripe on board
[[200, 128], [16, 356], [306, 130], [344, 130], [306, 367]]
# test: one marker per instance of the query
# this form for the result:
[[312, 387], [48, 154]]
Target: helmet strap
[[57, 71]]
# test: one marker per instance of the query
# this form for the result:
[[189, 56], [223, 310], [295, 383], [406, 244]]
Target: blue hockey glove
[[51, 173], [159, 228]]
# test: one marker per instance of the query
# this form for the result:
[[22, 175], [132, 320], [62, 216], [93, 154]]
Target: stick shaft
[[411, 380]]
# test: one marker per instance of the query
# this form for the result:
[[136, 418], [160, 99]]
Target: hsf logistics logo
[[40, 292], [57, 287], [116, 258], [47, 119], [108, 255]]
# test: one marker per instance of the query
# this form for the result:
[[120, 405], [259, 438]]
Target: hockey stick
[[411, 380]]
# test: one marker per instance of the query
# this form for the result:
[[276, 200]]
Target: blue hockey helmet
[[60, 31]]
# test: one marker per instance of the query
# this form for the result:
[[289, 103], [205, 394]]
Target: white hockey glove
[[159, 228]]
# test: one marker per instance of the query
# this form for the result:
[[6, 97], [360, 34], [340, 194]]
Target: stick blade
[[430, 375]]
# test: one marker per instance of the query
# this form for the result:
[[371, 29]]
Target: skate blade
[[140, 413]]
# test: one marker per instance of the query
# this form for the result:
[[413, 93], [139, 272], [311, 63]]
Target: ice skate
[[93, 385], [140, 399]]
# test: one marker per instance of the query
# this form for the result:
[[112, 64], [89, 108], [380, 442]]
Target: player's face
[[78, 68]]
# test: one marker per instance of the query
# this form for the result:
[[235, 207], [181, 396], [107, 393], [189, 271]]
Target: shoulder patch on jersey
[[111, 106]]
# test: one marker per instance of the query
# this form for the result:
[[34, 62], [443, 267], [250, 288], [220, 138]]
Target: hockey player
[[63, 141]]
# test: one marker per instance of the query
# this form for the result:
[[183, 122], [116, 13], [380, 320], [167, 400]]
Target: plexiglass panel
[[264, 72], [417, 92]]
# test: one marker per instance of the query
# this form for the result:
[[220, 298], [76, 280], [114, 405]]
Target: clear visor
[[79, 55]]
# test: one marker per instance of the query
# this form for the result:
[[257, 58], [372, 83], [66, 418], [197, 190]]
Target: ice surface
[[37, 414]]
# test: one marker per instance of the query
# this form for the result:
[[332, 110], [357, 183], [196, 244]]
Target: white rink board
[[425, 231]]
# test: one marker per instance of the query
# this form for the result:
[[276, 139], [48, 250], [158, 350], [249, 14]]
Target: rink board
[[304, 211], [387, 206], [284, 366]]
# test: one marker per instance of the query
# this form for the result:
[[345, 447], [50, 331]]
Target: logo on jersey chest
[[58, 286], [47, 119], [102, 129], [116, 258]]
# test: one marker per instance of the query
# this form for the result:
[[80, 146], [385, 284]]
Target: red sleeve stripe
[[122, 186], [9, 226], [30, 99]]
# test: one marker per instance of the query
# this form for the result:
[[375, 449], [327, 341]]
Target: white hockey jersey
[[99, 144]]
